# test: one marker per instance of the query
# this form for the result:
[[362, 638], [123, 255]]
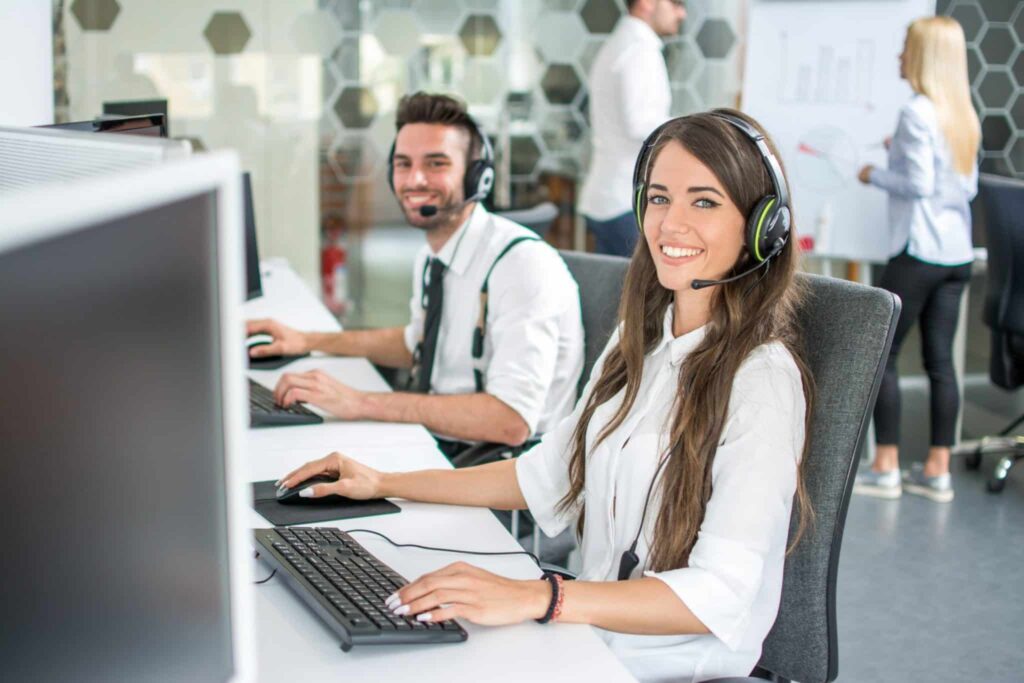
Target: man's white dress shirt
[[533, 347], [629, 98], [733, 580]]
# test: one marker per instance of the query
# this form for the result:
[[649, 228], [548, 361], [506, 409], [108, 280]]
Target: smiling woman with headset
[[681, 462]]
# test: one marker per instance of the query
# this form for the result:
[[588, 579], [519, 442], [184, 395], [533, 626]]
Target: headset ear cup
[[479, 179], [759, 227], [391, 168]]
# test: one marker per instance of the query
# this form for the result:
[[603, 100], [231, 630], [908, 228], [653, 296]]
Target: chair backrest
[[600, 280], [847, 331], [1003, 202], [537, 218]]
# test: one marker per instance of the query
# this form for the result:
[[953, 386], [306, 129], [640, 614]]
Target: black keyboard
[[263, 412], [346, 586]]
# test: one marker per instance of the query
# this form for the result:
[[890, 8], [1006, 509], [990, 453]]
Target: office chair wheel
[[996, 485], [972, 461]]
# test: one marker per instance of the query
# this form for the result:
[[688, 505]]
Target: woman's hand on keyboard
[[354, 479], [461, 590]]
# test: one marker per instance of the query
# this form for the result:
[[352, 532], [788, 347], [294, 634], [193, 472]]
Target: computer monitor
[[253, 283], [33, 156], [126, 553], [137, 108], [149, 125]]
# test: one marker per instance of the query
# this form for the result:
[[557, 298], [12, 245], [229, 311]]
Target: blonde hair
[[936, 66]]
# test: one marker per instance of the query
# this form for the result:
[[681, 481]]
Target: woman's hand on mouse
[[354, 480], [287, 341], [322, 390]]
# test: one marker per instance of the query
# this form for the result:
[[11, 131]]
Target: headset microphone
[[701, 284], [430, 210]]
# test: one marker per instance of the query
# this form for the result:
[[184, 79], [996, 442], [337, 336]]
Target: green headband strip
[[757, 233], [639, 219]]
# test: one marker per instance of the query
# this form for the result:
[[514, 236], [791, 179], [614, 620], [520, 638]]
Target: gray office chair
[[847, 332], [1003, 313], [537, 218], [600, 279]]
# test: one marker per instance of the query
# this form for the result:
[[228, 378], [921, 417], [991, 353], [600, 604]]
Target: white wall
[[26, 63]]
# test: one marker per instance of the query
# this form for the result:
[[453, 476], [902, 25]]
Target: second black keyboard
[[263, 412], [346, 586]]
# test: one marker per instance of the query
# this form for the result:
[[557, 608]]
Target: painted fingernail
[[306, 493], [401, 610], [426, 616], [392, 600]]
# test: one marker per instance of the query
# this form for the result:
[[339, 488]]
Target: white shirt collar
[[678, 347], [642, 30], [457, 252]]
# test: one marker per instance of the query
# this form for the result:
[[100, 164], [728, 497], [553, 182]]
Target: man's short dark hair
[[424, 107]]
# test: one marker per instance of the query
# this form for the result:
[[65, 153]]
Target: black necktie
[[434, 295]]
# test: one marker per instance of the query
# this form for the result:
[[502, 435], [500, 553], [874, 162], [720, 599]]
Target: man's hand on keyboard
[[322, 390]]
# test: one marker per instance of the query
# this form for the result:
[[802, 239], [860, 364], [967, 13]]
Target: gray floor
[[931, 592]]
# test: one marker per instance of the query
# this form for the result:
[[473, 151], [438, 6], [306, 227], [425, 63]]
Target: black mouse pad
[[313, 510], [272, 362]]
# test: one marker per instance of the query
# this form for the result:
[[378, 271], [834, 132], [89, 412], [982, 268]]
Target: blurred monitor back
[[253, 282], [124, 553], [149, 125], [138, 108], [33, 156]]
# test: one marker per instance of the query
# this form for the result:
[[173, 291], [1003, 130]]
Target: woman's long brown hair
[[744, 315]]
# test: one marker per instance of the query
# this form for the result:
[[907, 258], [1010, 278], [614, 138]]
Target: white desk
[[293, 644]]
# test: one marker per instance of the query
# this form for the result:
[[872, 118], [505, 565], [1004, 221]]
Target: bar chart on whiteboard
[[822, 73], [823, 78]]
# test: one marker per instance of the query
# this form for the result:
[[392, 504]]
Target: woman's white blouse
[[929, 201], [734, 577]]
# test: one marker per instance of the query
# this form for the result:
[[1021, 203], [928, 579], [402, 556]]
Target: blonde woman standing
[[932, 175]]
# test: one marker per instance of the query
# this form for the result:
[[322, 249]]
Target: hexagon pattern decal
[[95, 15], [227, 33]]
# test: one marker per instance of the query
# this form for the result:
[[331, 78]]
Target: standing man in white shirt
[[495, 339], [629, 97]]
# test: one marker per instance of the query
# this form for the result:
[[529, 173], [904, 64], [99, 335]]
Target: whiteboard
[[823, 79]]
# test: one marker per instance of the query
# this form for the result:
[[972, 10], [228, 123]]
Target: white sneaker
[[878, 484], [939, 488]]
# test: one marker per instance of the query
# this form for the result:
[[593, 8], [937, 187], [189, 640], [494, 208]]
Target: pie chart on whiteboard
[[826, 159]]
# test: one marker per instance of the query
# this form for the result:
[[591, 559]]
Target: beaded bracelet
[[557, 595]]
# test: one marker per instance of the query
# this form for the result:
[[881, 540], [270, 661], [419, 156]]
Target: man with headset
[[495, 339], [629, 97]]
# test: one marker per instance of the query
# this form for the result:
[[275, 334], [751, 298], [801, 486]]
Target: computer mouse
[[291, 496], [258, 339]]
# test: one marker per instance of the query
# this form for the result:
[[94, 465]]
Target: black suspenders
[[481, 325]]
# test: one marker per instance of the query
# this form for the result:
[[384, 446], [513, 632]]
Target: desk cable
[[444, 550], [422, 547]]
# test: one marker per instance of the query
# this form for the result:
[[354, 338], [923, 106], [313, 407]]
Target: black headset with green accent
[[768, 225]]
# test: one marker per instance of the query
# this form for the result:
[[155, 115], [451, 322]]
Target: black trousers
[[930, 294]]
